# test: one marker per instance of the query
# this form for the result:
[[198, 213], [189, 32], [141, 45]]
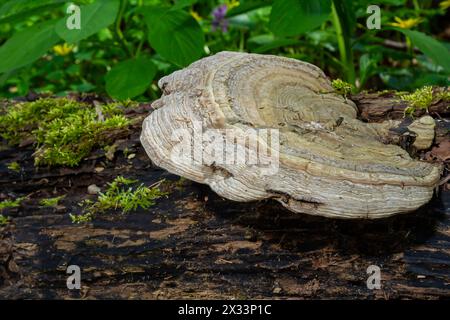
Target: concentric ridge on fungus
[[330, 163]]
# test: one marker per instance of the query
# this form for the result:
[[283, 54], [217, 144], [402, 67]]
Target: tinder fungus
[[256, 127]]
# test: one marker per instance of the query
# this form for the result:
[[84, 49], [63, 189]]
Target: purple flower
[[219, 19]]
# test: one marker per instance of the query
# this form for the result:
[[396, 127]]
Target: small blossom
[[219, 20], [406, 24], [62, 49], [445, 4]]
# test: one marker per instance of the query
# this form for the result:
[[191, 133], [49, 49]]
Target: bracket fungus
[[256, 127]]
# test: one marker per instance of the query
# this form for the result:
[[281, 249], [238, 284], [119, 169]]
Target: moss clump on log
[[119, 195], [63, 130], [51, 202], [5, 204], [422, 99], [342, 87], [419, 99], [3, 220]]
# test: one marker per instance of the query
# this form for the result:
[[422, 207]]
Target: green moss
[[5, 204], [126, 152], [111, 109], [14, 166], [445, 96], [51, 202], [121, 194], [419, 99], [65, 131], [342, 87], [3, 220], [180, 183]]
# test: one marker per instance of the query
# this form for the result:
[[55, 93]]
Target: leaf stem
[[241, 40], [123, 42], [345, 49], [144, 37]]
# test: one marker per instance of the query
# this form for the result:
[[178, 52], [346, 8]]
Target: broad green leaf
[[174, 34], [431, 47], [94, 17], [27, 45], [294, 17], [130, 78], [14, 10]]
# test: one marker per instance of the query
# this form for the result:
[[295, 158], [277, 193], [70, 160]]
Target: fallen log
[[380, 106], [194, 244]]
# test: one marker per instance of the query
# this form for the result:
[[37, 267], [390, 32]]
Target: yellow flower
[[232, 4], [406, 24], [62, 49], [195, 15], [445, 4]]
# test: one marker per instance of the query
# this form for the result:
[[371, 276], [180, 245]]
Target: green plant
[[342, 87], [3, 220], [51, 202], [121, 193], [14, 166], [65, 130], [419, 99], [6, 204], [445, 96], [123, 46], [344, 22]]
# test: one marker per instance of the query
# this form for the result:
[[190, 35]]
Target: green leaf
[[15, 10], [174, 34], [27, 45], [248, 6], [180, 4], [344, 22], [409, 79], [431, 47], [264, 43], [367, 67], [294, 17], [94, 17], [347, 17], [130, 78]]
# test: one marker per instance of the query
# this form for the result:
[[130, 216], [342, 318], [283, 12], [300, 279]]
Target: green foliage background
[[124, 46]]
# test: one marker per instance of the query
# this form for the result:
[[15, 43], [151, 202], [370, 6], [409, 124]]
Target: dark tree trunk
[[194, 244]]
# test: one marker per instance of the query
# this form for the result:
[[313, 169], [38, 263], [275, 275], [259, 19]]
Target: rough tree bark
[[193, 244]]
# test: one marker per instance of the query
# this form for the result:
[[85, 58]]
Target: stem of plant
[[144, 37], [139, 48], [345, 49], [118, 30], [409, 47], [241, 40]]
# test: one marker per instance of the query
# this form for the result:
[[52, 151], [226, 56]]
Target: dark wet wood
[[379, 106], [194, 244]]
